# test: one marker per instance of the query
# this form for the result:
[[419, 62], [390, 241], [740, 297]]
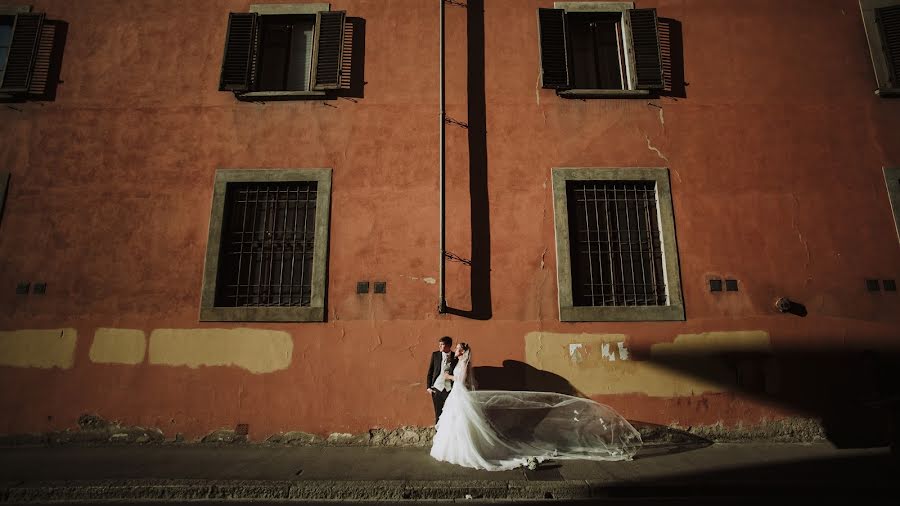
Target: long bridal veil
[[558, 426], [498, 429]]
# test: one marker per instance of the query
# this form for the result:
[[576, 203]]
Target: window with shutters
[[286, 51], [26, 54], [881, 19], [600, 49], [616, 254], [268, 241]]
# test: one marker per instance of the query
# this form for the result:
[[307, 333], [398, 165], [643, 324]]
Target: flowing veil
[[498, 429]]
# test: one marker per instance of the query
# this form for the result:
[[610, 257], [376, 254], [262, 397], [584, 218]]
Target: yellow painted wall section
[[258, 351], [118, 346], [598, 364], [44, 349]]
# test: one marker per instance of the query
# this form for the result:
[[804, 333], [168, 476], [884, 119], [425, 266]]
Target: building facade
[[225, 213]]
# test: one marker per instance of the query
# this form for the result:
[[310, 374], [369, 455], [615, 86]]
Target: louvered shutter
[[240, 51], [888, 21], [645, 41], [329, 47], [554, 48], [40, 70], [20, 60]]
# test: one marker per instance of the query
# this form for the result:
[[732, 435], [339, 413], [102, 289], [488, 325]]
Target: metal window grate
[[616, 255], [268, 236]]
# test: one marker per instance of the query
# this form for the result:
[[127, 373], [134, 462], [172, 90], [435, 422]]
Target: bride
[[500, 430]]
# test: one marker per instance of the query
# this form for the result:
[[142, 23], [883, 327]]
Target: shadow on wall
[[515, 375], [480, 267], [855, 393]]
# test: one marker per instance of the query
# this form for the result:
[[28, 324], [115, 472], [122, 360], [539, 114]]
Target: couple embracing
[[499, 430]]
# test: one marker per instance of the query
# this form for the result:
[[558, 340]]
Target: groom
[[443, 360]]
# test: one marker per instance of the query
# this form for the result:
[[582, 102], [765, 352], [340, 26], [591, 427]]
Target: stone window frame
[[568, 312], [892, 181], [876, 48], [315, 312]]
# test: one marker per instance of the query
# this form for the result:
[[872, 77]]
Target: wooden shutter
[[40, 72], [19, 63], [888, 21], [240, 51], [554, 48], [329, 47], [645, 41], [346, 60]]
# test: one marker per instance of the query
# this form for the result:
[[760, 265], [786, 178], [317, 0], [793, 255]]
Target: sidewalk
[[248, 472]]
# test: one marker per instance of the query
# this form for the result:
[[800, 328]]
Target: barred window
[[614, 242], [616, 254], [267, 247], [266, 257]]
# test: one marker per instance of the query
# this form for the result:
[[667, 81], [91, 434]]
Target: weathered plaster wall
[[775, 158]]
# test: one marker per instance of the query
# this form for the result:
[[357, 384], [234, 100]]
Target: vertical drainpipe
[[442, 304]]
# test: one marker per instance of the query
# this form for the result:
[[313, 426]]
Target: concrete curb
[[397, 490], [313, 490]]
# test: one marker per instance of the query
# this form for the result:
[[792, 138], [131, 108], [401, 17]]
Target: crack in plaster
[[655, 150], [661, 155], [800, 238]]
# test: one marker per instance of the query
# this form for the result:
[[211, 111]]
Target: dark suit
[[438, 397]]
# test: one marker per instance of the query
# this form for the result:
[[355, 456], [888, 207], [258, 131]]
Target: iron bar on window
[[257, 254], [616, 256]]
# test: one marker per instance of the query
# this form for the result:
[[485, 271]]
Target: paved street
[[254, 472]]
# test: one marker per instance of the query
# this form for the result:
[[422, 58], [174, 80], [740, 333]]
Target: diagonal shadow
[[854, 392]]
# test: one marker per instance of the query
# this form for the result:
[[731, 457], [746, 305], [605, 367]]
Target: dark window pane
[[6, 31], [614, 244], [597, 52], [268, 235], [285, 52]]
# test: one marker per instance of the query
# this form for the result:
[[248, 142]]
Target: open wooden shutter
[[645, 41], [554, 48], [240, 50], [888, 21], [20, 61], [329, 48], [40, 70]]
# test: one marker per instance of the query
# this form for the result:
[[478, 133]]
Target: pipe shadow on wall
[[480, 268]]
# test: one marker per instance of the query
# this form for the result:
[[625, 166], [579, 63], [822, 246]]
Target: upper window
[[268, 239], [23, 56], [882, 22], [615, 243], [600, 48], [286, 50]]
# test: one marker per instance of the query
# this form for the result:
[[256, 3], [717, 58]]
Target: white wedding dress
[[499, 430]]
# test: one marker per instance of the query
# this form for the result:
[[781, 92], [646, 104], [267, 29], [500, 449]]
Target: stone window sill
[[888, 92], [282, 95], [603, 93]]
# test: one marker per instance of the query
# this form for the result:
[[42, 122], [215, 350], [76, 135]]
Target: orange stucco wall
[[775, 156]]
